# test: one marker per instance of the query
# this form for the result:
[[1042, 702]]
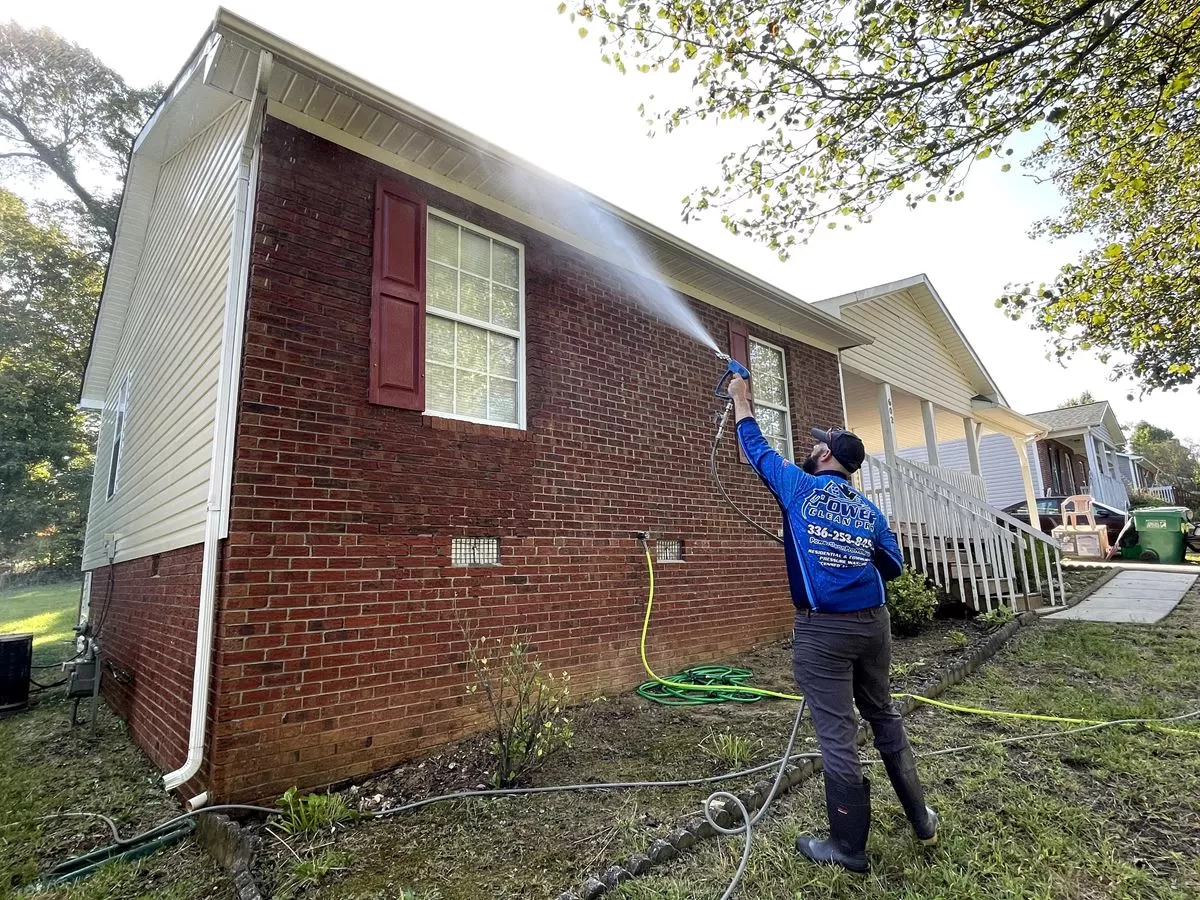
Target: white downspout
[[224, 427]]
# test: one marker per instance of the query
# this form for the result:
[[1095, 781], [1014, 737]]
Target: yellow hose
[[941, 704]]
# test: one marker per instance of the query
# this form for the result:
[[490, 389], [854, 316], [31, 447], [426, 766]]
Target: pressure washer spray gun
[[733, 367]]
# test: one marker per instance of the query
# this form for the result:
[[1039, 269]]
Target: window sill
[[461, 426]]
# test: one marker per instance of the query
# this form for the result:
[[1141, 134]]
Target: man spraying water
[[839, 552]]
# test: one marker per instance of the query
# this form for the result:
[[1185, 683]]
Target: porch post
[[973, 445], [1022, 448], [887, 421], [1093, 466], [928, 418]]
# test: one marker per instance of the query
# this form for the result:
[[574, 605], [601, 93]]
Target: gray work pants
[[843, 659]]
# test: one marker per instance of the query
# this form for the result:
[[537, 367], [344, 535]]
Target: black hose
[[47, 687], [712, 466]]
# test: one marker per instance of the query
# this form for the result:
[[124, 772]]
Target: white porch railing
[[1164, 492], [958, 540], [967, 482], [1110, 490]]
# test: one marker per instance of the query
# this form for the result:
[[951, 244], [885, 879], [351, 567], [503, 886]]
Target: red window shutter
[[398, 299], [739, 349], [739, 343]]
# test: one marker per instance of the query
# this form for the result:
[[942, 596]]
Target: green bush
[[527, 705], [911, 600], [998, 617], [310, 813], [1144, 501]]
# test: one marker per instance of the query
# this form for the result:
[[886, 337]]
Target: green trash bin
[[1160, 532]]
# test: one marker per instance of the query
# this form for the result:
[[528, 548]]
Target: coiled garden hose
[[710, 683]]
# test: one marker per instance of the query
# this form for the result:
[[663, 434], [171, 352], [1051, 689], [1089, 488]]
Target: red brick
[[343, 512]]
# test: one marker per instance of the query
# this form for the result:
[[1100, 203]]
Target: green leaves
[[64, 113], [48, 292], [903, 98]]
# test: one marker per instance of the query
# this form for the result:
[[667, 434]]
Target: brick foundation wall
[[148, 641], [339, 650]]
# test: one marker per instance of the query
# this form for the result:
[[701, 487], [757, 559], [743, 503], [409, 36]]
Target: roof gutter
[[364, 91], [220, 473]]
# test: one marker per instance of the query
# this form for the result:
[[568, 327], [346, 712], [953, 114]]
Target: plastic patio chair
[[1077, 507]]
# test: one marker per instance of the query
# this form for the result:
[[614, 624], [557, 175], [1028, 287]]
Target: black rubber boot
[[902, 771], [849, 810]]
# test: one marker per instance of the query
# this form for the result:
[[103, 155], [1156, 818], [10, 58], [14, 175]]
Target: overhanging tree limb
[[858, 104]]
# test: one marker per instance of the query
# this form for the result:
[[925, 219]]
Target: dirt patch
[[560, 839]]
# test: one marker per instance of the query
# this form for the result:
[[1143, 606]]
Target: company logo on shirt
[[831, 505]]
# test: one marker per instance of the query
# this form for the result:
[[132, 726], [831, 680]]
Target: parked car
[[1050, 514]]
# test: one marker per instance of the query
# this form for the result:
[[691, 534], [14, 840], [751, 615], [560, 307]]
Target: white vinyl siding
[[172, 341], [120, 416], [768, 374], [908, 353], [474, 324], [998, 462]]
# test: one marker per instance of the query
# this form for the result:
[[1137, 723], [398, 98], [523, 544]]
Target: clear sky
[[516, 73]]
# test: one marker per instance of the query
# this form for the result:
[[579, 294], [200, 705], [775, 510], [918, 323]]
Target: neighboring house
[[945, 450], [1001, 469], [1142, 477], [920, 392], [363, 387], [1078, 452]]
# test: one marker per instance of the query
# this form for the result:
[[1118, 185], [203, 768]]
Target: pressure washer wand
[[733, 368]]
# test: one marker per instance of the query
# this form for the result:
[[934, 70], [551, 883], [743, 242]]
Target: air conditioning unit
[[16, 665]]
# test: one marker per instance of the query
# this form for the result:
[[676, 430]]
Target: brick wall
[[338, 650], [148, 641]]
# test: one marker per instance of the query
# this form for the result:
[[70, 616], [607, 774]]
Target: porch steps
[[964, 545]]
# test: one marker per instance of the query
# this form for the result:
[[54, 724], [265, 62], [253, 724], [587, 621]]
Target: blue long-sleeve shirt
[[838, 545]]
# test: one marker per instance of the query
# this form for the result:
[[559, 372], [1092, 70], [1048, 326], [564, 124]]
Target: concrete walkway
[[1140, 597]]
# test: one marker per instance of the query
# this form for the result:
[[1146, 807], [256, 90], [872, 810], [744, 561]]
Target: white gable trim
[[921, 288]]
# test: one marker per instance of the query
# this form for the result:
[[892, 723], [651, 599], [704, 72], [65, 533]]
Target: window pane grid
[[475, 551], [474, 289], [769, 377]]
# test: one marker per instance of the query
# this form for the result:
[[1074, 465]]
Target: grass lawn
[[1112, 814], [47, 768], [48, 611], [1107, 814]]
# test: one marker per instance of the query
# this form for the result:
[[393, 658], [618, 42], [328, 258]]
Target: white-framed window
[[474, 324], [768, 375], [114, 458]]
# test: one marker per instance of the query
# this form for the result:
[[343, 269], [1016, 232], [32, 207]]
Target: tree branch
[[46, 155]]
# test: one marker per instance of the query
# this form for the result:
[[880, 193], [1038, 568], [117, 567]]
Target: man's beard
[[809, 465]]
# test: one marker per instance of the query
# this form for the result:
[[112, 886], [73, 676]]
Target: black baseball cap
[[846, 446]]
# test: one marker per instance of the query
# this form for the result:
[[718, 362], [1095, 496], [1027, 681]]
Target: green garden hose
[[705, 684]]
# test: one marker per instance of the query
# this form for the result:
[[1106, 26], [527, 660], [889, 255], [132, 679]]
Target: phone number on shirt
[[850, 540]]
